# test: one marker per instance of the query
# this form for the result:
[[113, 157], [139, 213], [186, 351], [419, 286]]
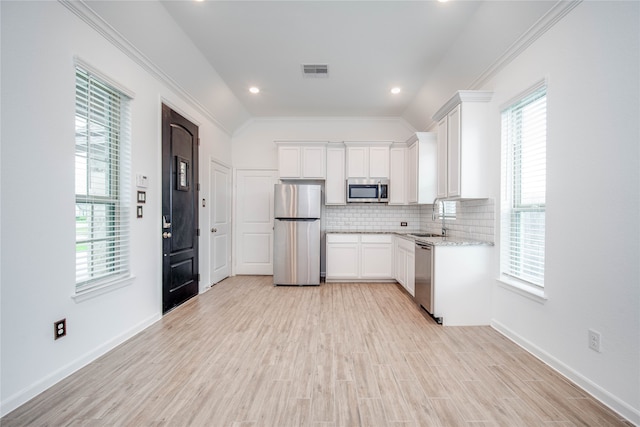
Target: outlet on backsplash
[[403, 224]]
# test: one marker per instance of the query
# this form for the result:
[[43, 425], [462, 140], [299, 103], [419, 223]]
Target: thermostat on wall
[[142, 180]]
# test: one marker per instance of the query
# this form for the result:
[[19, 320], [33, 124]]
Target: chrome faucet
[[434, 216]]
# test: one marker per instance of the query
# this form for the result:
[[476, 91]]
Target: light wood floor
[[248, 354]]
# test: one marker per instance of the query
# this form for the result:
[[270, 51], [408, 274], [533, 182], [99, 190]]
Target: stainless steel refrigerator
[[296, 242]]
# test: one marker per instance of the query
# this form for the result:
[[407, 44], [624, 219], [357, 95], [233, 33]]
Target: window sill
[[527, 291], [102, 289]]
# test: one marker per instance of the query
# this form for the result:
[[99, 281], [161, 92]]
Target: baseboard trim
[[606, 398], [31, 391]]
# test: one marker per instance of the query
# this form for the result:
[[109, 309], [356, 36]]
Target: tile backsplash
[[474, 219], [372, 217]]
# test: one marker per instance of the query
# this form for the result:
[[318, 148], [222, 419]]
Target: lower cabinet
[[405, 262], [461, 278], [462, 283], [359, 257], [343, 256]]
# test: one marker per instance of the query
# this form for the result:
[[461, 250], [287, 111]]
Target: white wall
[[254, 148], [592, 279], [39, 41]]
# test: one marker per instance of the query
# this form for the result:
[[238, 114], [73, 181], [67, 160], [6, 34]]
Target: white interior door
[[220, 222], [254, 221]]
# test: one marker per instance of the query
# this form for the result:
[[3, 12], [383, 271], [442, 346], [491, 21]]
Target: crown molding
[[81, 9], [540, 27], [462, 96]]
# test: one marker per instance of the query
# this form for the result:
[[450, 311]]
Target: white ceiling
[[427, 48]]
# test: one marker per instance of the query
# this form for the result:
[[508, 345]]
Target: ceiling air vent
[[315, 70]]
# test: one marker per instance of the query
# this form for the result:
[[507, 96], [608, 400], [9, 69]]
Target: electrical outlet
[[59, 329], [594, 340], [403, 224]]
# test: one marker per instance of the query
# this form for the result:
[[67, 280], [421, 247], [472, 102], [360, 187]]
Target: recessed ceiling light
[[395, 90], [254, 89]]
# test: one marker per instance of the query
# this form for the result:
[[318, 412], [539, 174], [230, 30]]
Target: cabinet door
[[453, 153], [412, 171], [289, 162], [335, 185], [357, 162], [379, 162], [313, 162], [442, 158], [411, 274], [397, 176], [376, 259], [401, 266], [342, 261]]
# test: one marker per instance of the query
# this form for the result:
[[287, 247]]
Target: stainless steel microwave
[[367, 190]]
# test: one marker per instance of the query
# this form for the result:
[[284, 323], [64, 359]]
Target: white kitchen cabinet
[[376, 256], [357, 162], [343, 256], [359, 257], [379, 162], [400, 270], [422, 168], [398, 175], [442, 168], [368, 160], [405, 262], [462, 283], [335, 184], [298, 160], [462, 156]]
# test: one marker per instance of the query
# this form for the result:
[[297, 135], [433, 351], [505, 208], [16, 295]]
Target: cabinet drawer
[[342, 238], [376, 238], [406, 244]]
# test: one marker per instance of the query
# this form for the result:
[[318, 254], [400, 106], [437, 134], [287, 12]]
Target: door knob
[[213, 230], [166, 235]]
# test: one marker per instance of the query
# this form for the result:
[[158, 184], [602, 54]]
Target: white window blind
[[447, 209], [102, 174], [524, 142]]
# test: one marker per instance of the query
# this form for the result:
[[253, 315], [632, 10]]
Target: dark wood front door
[[179, 209]]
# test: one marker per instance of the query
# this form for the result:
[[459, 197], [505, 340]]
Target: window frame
[[512, 205], [116, 238]]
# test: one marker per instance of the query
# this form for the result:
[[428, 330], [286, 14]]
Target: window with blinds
[[102, 173], [524, 153], [447, 209]]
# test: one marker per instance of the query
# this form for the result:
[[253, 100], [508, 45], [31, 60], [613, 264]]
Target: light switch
[[142, 181]]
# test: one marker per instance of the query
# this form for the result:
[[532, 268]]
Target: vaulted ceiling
[[426, 48]]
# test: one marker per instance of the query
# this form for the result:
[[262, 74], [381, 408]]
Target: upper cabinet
[[301, 160], [462, 157], [398, 174], [335, 185], [422, 168], [368, 159]]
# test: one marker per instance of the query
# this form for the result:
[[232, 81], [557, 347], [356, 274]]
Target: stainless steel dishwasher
[[424, 278]]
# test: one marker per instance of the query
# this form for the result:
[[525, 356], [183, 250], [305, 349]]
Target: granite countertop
[[435, 241]]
